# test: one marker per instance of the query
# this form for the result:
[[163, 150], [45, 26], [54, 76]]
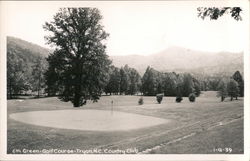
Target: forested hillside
[[181, 74], [25, 66], [26, 48]]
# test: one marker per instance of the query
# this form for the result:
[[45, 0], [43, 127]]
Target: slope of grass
[[186, 118]]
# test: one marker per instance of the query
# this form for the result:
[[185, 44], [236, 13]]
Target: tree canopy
[[238, 78], [233, 89], [214, 12], [79, 61], [25, 64]]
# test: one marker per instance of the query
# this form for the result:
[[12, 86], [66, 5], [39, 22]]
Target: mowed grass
[[211, 123]]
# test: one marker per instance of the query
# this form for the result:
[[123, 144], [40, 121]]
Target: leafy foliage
[[135, 81], [38, 79], [113, 85], [179, 86], [192, 97], [159, 98], [22, 66], [78, 36], [214, 12], [178, 99], [233, 89], [140, 101], [25, 74], [125, 80], [222, 90], [187, 85], [149, 82], [238, 78], [197, 87], [171, 84]]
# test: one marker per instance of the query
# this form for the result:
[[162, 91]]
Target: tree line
[[25, 71], [232, 87], [126, 80], [42, 79], [79, 68]]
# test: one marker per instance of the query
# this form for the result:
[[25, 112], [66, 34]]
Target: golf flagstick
[[112, 107]]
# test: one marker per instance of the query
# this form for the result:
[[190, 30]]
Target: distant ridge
[[184, 60], [174, 58], [27, 47]]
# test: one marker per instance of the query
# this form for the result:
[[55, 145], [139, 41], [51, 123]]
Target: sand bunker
[[91, 120]]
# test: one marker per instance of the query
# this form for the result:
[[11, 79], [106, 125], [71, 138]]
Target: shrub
[[178, 99], [192, 97], [222, 98], [159, 97], [140, 101]]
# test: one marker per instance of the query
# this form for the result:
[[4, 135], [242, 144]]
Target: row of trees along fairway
[[78, 67], [124, 80], [171, 84], [232, 87]]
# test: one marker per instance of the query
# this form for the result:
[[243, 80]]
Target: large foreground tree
[[79, 62]]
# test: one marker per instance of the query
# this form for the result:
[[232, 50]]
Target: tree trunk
[[10, 86], [222, 98], [77, 93], [77, 89], [231, 98], [76, 97], [38, 90]]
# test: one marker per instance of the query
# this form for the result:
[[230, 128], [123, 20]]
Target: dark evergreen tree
[[159, 97], [233, 89], [149, 82], [222, 90], [169, 84], [179, 88], [78, 35], [159, 83], [238, 78], [188, 85], [197, 87], [192, 97]]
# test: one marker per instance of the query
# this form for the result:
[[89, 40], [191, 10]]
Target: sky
[[141, 27]]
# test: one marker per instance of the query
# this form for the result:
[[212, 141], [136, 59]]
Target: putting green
[[90, 120]]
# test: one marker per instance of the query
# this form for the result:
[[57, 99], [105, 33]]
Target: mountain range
[[26, 48], [177, 59]]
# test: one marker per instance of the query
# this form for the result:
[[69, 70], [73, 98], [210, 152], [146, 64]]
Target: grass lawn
[[200, 127]]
